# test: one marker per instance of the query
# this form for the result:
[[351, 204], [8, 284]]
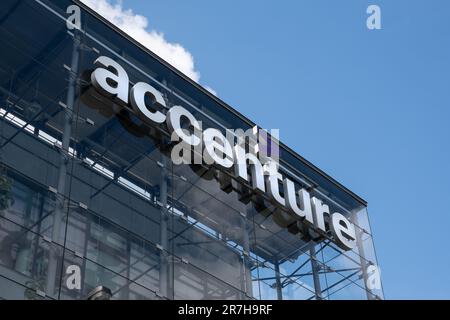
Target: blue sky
[[371, 108]]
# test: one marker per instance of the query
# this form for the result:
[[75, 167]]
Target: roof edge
[[218, 100]]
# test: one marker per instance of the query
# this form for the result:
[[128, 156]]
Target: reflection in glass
[[86, 186]]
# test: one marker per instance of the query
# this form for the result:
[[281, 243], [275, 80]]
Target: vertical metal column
[[248, 283], [363, 262], [164, 284], [278, 281], [63, 164], [315, 271]]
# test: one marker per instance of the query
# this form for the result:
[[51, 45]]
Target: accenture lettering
[[298, 211]]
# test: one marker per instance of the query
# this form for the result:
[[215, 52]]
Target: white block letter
[[112, 83], [343, 231], [216, 146]]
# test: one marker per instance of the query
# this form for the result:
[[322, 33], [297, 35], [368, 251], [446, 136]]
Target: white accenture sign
[[296, 207]]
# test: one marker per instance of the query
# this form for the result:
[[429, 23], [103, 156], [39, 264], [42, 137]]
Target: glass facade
[[91, 192]]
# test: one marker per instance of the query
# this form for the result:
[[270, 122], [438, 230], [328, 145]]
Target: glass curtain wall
[[89, 195]]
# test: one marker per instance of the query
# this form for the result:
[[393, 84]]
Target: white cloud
[[136, 26]]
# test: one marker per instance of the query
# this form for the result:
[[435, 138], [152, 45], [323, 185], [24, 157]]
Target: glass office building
[[90, 197]]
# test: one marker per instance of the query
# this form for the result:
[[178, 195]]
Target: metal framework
[[165, 203]]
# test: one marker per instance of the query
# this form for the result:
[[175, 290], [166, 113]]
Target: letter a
[[373, 277], [74, 20], [374, 20], [74, 279]]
